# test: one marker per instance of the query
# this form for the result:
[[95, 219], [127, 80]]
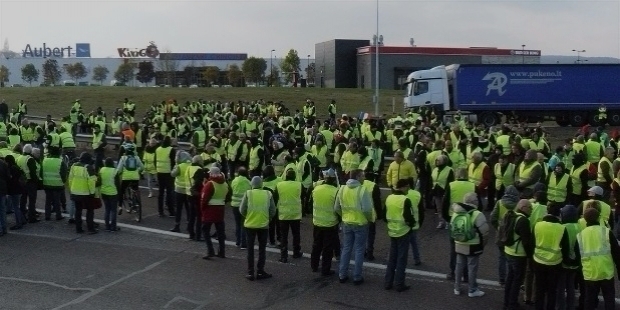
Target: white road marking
[[200, 304], [48, 283]]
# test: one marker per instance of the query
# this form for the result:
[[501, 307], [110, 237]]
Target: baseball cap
[[596, 190]]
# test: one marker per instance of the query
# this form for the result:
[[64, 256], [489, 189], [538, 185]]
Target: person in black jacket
[[4, 177], [372, 228], [15, 188], [194, 225], [33, 180], [516, 264]]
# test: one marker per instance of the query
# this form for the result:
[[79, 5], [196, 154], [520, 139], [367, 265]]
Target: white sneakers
[[150, 194], [476, 293], [457, 292]]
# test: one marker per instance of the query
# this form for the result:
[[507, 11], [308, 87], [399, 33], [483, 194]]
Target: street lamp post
[[377, 38], [308, 70], [579, 55], [523, 53], [271, 67]]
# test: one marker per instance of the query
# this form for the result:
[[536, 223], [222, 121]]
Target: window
[[420, 88]]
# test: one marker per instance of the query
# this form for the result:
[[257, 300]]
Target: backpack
[[131, 163], [462, 228], [505, 235]]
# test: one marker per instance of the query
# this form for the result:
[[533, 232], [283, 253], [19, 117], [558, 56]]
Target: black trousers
[[81, 203], [284, 228], [372, 234], [182, 202], [29, 200], [274, 230], [221, 238], [166, 186], [546, 278], [194, 225], [305, 199], [325, 241], [592, 290], [254, 234]]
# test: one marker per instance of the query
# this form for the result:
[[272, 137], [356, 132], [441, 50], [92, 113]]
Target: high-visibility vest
[[97, 140], [350, 199], [148, 160], [180, 181], [320, 154], [202, 138], [593, 151], [14, 140], [66, 139], [604, 214], [516, 249], [440, 178], [232, 149], [257, 215], [289, 200], [3, 130], [254, 159], [369, 186], [219, 194], [599, 174], [557, 191], [323, 214], [507, 178], [80, 182], [415, 198], [396, 225], [108, 184], [575, 175], [475, 173], [271, 184], [595, 251], [525, 171], [349, 161], [473, 217], [364, 163], [239, 186], [189, 178], [376, 155], [504, 141], [538, 212], [547, 248], [163, 164], [301, 165], [127, 175], [458, 190], [51, 172], [572, 229]]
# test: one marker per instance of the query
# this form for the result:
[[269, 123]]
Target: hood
[[462, 207], [218, 179], [183, 157], [511, 197], [352, 183]]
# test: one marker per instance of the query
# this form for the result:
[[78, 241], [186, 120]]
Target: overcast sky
[[256, 27]]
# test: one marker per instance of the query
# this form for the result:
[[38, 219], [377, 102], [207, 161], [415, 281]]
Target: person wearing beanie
[[508, 202], [215, 195], [31, 168], [257, 207], [559, 184], [552, 247], [325, 224], [598, 252], [566, 278]]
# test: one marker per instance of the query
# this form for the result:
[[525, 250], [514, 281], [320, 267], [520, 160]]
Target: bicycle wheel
[[127, 201], [137, 206]]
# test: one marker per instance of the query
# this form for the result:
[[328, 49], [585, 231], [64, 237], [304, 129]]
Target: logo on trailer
[[150, 51], [498, 81]]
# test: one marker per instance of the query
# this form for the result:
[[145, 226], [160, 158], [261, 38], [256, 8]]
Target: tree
[[51, 72], [146, 72], [290, 64], [100, 74], [254, 68], [189, 74], [30, 74], [234, 75], [76, 71], [4, 75], [124, 73], [274, 76], [311, 73], [211, 74], [169, 68]]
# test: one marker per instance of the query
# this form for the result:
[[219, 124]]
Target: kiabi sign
[[46, 51], [150, 51]]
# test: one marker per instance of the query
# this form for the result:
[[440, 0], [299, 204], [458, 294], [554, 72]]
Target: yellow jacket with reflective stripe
[[547, 249], [507, 178], [239, 186], [395, 206], [595, 250], [80, 182], [557, 189], [350, 200], [323, 199], [289, 200]]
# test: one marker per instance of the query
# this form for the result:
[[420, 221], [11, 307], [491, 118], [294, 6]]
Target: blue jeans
[[355, 238], [109, 203], [413, 240], [397, 262], [240, 235], [469, 262], [13, 201], [3, 228], [52, 203]]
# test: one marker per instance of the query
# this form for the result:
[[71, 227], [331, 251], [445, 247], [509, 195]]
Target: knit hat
[[569, 214], [540, 187]]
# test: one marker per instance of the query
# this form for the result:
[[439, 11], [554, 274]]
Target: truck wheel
[[562, 119], [577, 119], [488, 119], [613, 118], [593, 120]]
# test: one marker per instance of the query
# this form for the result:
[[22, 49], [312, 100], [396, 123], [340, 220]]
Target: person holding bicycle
[[129, 168]]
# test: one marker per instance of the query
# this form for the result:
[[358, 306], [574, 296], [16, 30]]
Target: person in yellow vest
[[82, 182], [441, 176], [195, 176], [233, 148], [457, 159], [52, 139], [479, 173], [559, 184], [400, 219], [199, 138], [400, 169], [508, 202], [54, 176], [29, 164], [181, 186], [551, 248], [215, 194], [239, 185], [354, 205], [567, 277], [128, 169], [350, 159], [504, 172], [579, 178], [303, 171], [150, 170], [109, 193], [257, 207], [605, 173], [517, 253], [325, 224], [270, 181], [598, 252], [468, 251], [528, 173], [165, 159], [98, 145], [287, 196], [67, 143], [256, 158], [593, 149], [595, 194], [331, 110], [320, 151], [278, 156]]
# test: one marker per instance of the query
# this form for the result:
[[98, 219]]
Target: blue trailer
[[573, 94]]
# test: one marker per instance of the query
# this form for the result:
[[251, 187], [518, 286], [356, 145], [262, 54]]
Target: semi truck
[[569, 94]]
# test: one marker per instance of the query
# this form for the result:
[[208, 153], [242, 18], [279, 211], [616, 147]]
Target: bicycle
[[132, 203]]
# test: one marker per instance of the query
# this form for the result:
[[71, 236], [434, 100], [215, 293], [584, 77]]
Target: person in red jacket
[[215, 195]]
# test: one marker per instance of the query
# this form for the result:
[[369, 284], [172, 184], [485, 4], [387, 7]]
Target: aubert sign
[[45, 51]]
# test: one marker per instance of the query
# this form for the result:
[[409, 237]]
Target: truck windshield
[[420, 87]]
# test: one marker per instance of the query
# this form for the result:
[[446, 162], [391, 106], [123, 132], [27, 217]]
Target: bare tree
[[169, 67]]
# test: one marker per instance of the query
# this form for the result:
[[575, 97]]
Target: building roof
[[416, 50]]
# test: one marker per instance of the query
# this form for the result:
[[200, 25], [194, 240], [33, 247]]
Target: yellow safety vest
[[163, 164], [289, 200], [66, 139], [350, 200], [108, 184], [232, 149], [219, 194], [476, 173], [458, 190], [557, 191], [180, 181], [323, 214], [51, 172], [97, 140], [415, 198], [440, 178], [80, 182], [593, 151], [572, 229], [148, 160], [396, 225], [595, 250], [548, 236], [516, 249], [576, 179], [239, 186], [320, 154], [504, 141], [349, 161], [254, 159], [600, 177], [507, 178], [524, 172]]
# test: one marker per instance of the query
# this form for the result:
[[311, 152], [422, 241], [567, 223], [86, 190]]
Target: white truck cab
[[428, 88]]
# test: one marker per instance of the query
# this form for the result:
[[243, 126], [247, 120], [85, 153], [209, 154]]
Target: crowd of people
[[553, 208]]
